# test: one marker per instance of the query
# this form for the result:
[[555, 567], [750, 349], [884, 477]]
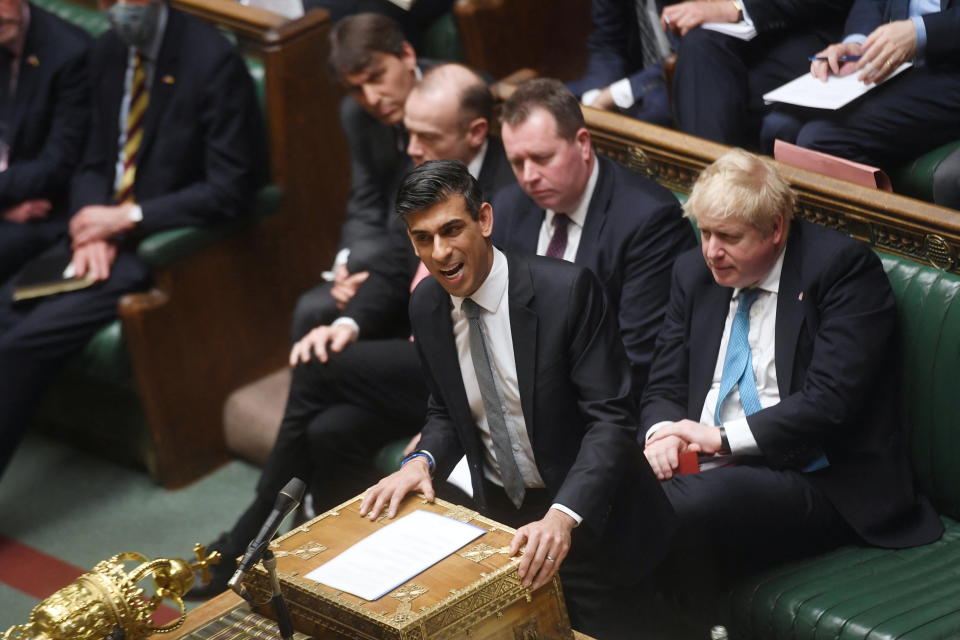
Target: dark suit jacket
[[837, 371], [614, 43], [202, 156], [48, 117], [614, 47], [380, 305], [943, 27], [576, 398], [378, 162], [633, 232]]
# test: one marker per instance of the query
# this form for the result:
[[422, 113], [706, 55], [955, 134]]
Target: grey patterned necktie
[[654, 45], [493, 406]]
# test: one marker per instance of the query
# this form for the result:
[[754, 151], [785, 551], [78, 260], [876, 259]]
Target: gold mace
[[97, 603]]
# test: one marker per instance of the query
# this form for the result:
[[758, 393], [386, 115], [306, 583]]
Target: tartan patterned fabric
[[240, 624]]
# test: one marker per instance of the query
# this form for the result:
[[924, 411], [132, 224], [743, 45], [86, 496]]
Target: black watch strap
[[724, 442]]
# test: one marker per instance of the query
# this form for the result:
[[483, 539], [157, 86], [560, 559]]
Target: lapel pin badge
[[800, 297], [33, 60], [168, 79]]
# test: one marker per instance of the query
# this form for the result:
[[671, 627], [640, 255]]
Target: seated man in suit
[[624, 68], [379, 68], [569, 203], [893, 123], [719, 79], [775, 364], [176, 140], [356, 382], [43, 118], [529, 380]]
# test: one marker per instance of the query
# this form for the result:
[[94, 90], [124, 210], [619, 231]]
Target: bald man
[[356, 382]]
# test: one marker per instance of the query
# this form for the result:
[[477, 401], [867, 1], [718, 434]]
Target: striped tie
[[139, 97]]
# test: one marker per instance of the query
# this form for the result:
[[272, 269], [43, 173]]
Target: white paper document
[[742, 30], [807, 91], [388, 558]]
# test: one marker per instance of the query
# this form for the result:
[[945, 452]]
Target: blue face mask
[[136, 25]]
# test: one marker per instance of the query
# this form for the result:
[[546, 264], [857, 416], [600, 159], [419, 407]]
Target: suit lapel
[[706, 332], [29, 79], [439, 341], [523, 326], [596, 218], [528, 218], [164, 80], [790, 311], [111, 88]]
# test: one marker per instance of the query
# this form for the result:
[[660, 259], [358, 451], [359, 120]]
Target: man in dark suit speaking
[[777, 362], [528, 378]]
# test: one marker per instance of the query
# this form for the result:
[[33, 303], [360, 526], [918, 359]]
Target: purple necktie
[[558, 242]]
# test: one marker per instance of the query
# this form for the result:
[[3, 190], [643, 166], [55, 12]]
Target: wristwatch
[[724, 443], [135, 214]]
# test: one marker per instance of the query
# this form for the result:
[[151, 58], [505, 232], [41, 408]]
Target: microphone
[[287, 500]]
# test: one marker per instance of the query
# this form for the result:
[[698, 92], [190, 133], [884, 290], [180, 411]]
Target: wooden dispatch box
[[474, 593]]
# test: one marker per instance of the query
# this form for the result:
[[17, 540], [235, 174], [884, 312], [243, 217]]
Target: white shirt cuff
[[135, 214], [745, 16], [741, 439], [350, 322], [622, 93], [652, 430], [859, 38], [570, 512], [589, 97]]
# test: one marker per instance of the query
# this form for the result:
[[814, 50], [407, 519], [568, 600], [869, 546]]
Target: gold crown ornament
[[107, 599]]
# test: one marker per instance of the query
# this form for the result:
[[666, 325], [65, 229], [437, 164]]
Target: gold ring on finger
[[550, 559]]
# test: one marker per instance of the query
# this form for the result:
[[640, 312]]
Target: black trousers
[[38, 337], [896, 122], [720, 80], [338, 415], [597, 606], [314, 308], [737, 520], [21, 242]]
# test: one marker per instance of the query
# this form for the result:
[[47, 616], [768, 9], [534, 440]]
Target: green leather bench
[[95, 401], [856, 593], [916, 179]]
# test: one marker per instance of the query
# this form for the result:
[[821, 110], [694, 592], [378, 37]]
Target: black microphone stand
[[276, 600]]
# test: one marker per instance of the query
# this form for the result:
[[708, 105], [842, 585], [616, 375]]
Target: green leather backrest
[[91, 20], [915, 179], [929, 304]]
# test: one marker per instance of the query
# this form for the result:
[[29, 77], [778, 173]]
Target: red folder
[[829, 165]]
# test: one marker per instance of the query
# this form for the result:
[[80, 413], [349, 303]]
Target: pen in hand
[[840, 59]]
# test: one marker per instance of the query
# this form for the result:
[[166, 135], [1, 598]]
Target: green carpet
[[83, 509]]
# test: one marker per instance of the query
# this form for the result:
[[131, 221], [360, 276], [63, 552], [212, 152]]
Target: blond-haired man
[[777, 364]]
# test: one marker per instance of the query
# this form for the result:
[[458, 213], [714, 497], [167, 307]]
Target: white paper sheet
[[807, 91], [741, 30], [393, 555]]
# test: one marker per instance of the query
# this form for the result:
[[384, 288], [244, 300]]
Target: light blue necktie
[[738, 369], [738, 362]]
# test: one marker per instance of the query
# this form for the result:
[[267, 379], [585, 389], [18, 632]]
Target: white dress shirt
[[762, 340], [577, 219], [493, 299]]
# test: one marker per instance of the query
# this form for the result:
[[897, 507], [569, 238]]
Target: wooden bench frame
[[896, 224], [219, 318]]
